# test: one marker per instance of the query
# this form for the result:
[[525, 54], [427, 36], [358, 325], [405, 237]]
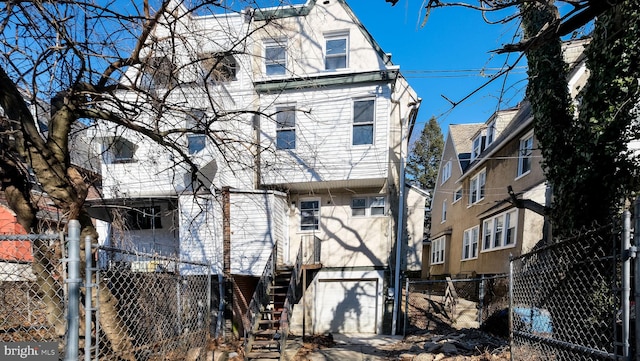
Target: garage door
[[346, 306]]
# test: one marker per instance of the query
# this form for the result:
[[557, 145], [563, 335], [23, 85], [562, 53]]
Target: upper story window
[[335, 56], [446, 171], [363, 117], [196, 141], [368, 206], [525, 153], [219, 67], [457, 194], [286, 127], [275, 58], [491, 132], [159, 72], [477, 147], [470, 243], [437, 250], [309, 214], [120, 150], [500, 231], [444, 211], [476, 187]]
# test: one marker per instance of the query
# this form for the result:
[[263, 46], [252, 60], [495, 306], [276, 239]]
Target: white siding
[[324, 125], [201, 232]]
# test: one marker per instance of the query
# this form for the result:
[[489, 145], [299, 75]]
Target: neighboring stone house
[[320, 119], [476, 223]]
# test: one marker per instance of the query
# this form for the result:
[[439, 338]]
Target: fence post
[[627, 254], [73, 280], [636, 238], [511, 343], [406, 308]]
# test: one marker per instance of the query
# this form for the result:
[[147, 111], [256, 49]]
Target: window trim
[[279, 63], [318, 216], [438, 245], [509, 220], [522, 156], [370, 123], [369, 206], [336, 36], [468, 243], [478, 188], [282, 110]]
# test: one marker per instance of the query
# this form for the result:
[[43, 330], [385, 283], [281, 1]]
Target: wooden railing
[[293, 295]]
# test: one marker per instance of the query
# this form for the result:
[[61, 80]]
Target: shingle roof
[[461, 135]]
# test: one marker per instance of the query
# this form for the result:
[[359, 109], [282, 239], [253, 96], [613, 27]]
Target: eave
[[279, 85]]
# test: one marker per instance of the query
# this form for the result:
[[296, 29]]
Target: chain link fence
[[442, 305], [566, 299], [164, 304], [32, 292]]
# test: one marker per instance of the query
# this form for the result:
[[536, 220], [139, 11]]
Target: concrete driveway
[[347, 347]]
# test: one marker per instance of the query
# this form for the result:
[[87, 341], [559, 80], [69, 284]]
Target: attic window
[[491, 132], [219, 67], [477, 147], [120, 150]]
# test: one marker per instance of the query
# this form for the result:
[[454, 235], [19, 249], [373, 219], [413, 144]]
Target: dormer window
[[477, 147], [491, 132]]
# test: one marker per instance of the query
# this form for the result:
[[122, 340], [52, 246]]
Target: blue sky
[[450, 56]]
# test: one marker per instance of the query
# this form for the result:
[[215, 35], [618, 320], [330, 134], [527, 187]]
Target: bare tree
[[69, 66]]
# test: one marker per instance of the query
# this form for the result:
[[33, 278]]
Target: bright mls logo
[[32, 351]]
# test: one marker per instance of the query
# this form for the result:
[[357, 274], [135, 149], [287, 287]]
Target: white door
[[346, 306]]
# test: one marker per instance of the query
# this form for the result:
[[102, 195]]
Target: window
[[446, 171], [437, 250], [275, 58], [159, 72], [470, 243], [309, 215], [368, 206], [457, 195], [500, 231], [525, 153], [363, 116], [444, 211], [143, 218], [491, 132], [476, 187], [285, 128], [218, 66], [120, 150], [477, 147], [336, 52], [196, 121]]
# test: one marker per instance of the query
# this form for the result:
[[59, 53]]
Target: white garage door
[[346, 306]]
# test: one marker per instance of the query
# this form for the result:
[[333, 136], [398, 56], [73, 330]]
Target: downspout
[[413, 113]]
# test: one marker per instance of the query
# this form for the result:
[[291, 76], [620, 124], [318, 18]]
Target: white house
[[307, 124]]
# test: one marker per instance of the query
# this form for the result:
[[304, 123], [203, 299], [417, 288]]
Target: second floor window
[[437, 250], [121, 150], [525, 153], [457, 195], [335, 52], [309, 215], [285, 128], [196, 141], [363, 117], [368, 206], [476, 187], [275, 58], [444, 210]]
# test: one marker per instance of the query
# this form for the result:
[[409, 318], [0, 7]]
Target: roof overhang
[[279, 85]]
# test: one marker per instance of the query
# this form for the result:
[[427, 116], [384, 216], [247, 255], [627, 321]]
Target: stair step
[[266, 343], [264, 355]]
